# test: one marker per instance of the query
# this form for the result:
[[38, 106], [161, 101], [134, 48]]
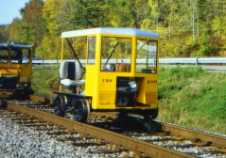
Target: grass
[[192, 97], [188, 96], [44, 79]]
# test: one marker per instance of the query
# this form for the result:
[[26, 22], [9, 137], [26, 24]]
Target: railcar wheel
[[59, 104], [151, 114], [149, 124], [81, 110], [3, 103]]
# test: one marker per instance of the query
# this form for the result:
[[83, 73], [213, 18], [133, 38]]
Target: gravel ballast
[[18, 141]]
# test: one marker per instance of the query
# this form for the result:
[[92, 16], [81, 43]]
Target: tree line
[[186, 27]]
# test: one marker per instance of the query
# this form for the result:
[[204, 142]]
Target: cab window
[[146, 61], [116, 54], [76, 48], [9, 56], [25, 56]]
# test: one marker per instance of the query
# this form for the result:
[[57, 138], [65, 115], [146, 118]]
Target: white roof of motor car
[[114, 31]]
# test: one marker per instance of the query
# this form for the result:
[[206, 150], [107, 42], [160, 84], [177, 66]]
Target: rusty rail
[[39, 99], [112, 137], [195, 134]]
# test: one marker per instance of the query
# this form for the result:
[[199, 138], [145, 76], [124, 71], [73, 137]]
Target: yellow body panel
[[9, 70], [148, 91], [22, 71], [26, 72], [102, 88], [91, 80]]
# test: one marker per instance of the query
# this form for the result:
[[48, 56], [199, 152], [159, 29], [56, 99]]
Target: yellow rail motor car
[[15, 68], [108, 69]]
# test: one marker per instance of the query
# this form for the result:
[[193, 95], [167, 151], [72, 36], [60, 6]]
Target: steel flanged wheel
[[81, 110], [154, 113], [59, 104]]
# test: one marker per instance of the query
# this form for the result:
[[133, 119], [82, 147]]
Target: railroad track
[[195, 142], [93, 147], [167, 141]]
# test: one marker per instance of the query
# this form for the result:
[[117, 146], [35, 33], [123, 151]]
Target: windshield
[[146, 61], [116, 54], [14, 56], [9, 56]]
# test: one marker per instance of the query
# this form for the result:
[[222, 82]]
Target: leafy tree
[[3, 33], [51, 12], [33, 22], [16, 31], [187, 27]]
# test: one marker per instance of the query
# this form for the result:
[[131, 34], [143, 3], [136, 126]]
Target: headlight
[[21, 85], [132, 86], [17, 85]]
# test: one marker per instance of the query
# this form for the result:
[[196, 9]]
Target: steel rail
[[198, 136], [195, 134], [39, 99], [187, 133], [148, 149]]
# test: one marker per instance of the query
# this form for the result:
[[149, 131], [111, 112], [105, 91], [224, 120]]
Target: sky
[[9, 9]]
